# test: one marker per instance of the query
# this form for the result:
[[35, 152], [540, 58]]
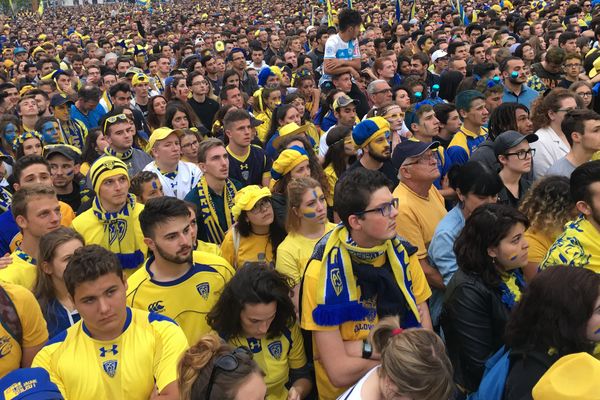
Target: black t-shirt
[[205, 111], [387, 169], [549, 79]]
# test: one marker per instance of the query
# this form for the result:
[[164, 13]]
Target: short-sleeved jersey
[[463, 144], [33, 327], [128, 367], [418, 216], [351, 330], [250, 248], [19, 272], [251, 169], [187, 299], [275, 357], [577, 246], [336, 48]]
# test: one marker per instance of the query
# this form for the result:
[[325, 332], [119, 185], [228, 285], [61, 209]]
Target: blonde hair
[[197, 364], [295, 191], [413, 360]]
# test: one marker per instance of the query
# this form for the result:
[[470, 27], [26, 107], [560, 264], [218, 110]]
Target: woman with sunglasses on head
[[490, 251], [213, 370], [255, 310], [306, 223], [255, 235]]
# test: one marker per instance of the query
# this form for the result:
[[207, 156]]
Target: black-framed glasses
[[386, 90], [522, 154], [261, 205], [585, 94], [424, 159], [113, 119], [565, 109], [228, 363], [385, 209]]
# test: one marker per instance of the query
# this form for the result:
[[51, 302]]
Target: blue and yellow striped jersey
[[464, 143]]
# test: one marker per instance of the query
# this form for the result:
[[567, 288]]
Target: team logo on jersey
[[336, 281], [104, 350], [275, 349], [204, 289], [5, 346], [110, 367], [254, 345], [116, 230], [156, 307], [245, 175]]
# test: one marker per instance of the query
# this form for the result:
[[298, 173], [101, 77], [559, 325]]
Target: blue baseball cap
[[29, 384], [410, 148], [19, 50]]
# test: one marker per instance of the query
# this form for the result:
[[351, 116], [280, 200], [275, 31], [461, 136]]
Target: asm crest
[[110, 367], [116, 230], [275, 349], [336, 280], [204, 289]]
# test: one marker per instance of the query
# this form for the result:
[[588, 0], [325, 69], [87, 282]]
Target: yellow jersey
[[187, 299], [275, 357], [143, 356], [20, 271], [33, 327], [249, 248]]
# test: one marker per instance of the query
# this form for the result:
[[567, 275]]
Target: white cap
[[438, 54]]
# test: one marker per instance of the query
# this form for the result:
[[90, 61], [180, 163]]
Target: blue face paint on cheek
[[597, 331], [69, 173], [154, 185]]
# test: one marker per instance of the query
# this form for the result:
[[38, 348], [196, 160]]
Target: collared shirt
[[526, 97], [549, 148], [464, 143]]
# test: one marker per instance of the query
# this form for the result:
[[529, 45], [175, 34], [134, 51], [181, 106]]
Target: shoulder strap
[[236, 247], [288, 335], [9, 318]]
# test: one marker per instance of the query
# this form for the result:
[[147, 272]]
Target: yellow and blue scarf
[[214, 230], [121, 156], [119, 233], [5, 199], [511, 287], [337, 289]]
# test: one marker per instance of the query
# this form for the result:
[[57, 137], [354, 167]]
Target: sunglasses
[[114, 119], [228, 363]]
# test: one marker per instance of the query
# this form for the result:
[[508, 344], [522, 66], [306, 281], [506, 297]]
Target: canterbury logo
[[156, 307]]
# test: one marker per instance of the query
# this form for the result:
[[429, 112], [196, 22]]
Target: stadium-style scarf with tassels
[[345, 266], [215, 232]]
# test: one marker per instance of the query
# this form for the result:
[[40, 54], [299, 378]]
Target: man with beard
[[515, 89], [373, 137], [64, 163], [421, 205], [176, 281], [577, 246]]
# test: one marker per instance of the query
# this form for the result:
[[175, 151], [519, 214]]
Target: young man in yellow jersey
[[29, 170], [114, 352], [22, 331], [176, 281], [579, 244], [37, 212], [470, 104], [112, 221], [359, 272]]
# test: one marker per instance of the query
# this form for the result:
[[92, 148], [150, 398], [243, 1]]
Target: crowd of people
[[285, 201]]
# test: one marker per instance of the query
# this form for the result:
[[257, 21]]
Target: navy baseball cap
[[29, 384], [59, 100], [410, 148]]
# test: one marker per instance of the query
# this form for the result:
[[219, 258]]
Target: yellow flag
[[40, 9]]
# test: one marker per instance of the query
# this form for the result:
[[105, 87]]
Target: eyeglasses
[[422, 160], [522, 154], [565, 109], [572, 65], [585, 94], [114, 119], [190, 144], [387, 90], [385, 209], [395, 116], [228, 363], [262, 205]]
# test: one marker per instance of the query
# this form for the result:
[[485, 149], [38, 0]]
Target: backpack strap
[[9, 318], [288, 335], [236, 246]]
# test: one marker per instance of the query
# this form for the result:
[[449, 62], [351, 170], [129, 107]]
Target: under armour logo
[[112, 350], [243, 166]]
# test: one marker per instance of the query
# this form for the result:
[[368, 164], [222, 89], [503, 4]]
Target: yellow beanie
[[104, 168]]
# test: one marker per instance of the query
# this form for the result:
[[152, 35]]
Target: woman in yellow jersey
[[548, 206], [255, 235], [94, 146], [265, 102], [414, 365], [157, 109], [255, 310], [212, 369], [306, 223], [56, 248], [341, 153]]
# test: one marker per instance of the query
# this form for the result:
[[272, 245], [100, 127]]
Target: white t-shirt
[[336, 48], [353, 393]]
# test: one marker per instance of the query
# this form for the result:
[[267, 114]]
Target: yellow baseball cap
[[139, 78], [161, 134], [247, 197]]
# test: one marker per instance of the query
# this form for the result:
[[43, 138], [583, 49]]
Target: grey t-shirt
[[562, 167]]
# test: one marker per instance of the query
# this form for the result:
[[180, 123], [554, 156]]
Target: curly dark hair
[[253, 283], [485, 228], [554, 311]]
